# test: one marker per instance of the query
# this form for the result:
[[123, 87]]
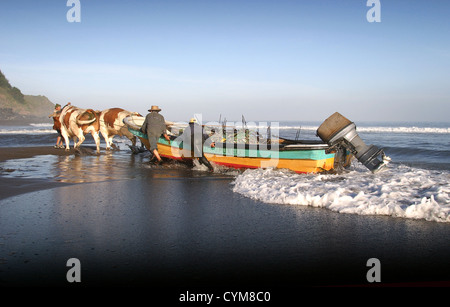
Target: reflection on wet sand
[[80, 169], [86, 168]]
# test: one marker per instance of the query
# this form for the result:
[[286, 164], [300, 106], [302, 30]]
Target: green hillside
[[15, 107]]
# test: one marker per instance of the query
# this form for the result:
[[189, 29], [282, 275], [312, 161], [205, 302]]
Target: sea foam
[[376, 129], [400, 191], [27, 131], [44, 128]]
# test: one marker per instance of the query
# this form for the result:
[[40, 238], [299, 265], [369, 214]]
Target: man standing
[[154, 126], [57, 125], [194, 138]]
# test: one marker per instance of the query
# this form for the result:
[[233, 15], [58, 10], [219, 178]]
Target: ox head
[[55, 114]]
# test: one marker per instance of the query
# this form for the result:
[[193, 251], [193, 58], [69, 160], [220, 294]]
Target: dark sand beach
[[14, 186], [172, 226]]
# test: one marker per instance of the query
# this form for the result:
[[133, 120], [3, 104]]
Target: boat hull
[[312, 158]]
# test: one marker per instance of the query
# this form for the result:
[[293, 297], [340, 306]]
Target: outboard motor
[[338, 130]]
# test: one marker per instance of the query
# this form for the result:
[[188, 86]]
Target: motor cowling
[[338, 130]]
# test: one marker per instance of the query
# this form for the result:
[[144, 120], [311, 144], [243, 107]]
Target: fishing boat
[[238, 149]]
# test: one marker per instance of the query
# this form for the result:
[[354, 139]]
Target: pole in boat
[[298, 133]]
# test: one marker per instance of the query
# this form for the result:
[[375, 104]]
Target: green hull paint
[[262, 152]]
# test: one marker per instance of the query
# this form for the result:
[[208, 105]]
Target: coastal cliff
[[17, 108]]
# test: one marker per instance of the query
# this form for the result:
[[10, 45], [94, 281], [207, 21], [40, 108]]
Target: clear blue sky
[[264, 59]]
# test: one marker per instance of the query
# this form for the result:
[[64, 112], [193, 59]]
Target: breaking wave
[[42, 125], [376, 129], [400, 191], [27, 131]]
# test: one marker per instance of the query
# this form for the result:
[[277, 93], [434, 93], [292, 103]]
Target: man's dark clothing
[[154, 125], [195, 137]]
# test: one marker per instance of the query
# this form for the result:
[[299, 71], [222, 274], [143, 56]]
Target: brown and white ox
[[111, 124], [76, 123]]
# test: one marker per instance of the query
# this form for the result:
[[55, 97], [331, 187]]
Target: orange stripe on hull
[[297, 165]]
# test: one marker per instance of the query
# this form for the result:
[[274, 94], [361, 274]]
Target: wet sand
[[16, 186], [7, 153], [178, 228]]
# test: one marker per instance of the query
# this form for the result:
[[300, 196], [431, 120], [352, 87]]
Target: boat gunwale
[[300, 145]]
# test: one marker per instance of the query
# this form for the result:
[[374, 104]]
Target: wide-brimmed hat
[[154, 108], [193, 120]]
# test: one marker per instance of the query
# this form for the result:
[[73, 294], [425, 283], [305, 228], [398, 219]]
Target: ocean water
[[415, 185], [27, 136]]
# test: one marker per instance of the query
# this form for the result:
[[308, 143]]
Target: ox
[[76, 123], [111, 124]]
